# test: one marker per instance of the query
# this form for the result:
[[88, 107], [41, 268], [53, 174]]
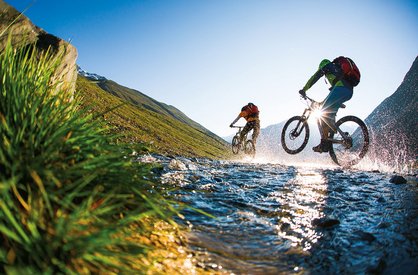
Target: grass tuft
[[68, 196]]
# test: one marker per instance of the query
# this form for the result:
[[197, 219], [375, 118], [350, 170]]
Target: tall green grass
[[68, 195]]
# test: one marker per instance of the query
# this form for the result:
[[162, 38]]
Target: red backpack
[[349, 70], [252, 110]]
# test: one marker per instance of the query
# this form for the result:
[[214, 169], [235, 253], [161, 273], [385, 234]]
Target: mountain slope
[[394, 123], [139, 99], [143, 120]]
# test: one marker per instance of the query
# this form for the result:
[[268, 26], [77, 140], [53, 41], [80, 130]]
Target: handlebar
[[237, 126]]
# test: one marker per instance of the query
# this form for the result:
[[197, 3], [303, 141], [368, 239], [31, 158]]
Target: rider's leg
[[245, 130], [256, 131], [331, 104], [328, 123], [324, 130]]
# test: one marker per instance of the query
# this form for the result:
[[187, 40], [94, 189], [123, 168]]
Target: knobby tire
[[235, 145], [303, 137], [361, 134], [249, 148]]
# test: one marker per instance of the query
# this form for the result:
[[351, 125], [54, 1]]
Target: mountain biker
[[340, 91], [251, 114]]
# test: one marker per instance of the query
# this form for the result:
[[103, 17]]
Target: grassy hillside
[[140, 119], [70, 200]]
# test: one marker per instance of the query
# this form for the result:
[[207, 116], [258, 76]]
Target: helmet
[[324, 63], [249, 105]]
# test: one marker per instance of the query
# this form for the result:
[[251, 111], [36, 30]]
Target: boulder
[[24, 33], [397, 179], [325, 222]]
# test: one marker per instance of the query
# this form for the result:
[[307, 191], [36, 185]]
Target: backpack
[[252, 110], [349, 70]]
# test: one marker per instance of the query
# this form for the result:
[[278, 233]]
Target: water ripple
[[273, 219]]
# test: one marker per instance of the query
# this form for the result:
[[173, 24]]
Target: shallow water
[[277, 219]]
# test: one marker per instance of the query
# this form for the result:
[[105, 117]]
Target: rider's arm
[[233, 122], [329, 68], [313, 80], [242, 114]]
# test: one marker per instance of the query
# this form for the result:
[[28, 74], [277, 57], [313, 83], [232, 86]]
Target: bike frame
[[239, 132], [314, 105]]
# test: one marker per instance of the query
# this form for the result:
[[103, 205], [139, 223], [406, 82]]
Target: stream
[[269, 218]]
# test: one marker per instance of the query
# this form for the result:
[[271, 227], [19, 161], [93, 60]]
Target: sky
[[209, 58]]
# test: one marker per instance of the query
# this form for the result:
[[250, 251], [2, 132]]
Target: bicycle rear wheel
[[348, 152], [295, 135], [249, 148], [236, 145]]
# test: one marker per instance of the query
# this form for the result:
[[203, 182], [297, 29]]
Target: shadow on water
[[278, 219]]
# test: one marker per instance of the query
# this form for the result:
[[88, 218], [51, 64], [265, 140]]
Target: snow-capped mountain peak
[[90, 76]]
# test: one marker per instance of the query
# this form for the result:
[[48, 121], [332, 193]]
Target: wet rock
[[325, 222], [397, 179], [147, 159], [176, 178], [383, 225], [365, 236], [285, 227], [157, 171], [217, 179], [339, 189], [177, 165], [194, 178], [192, 167], [381, 200], [378, 267]]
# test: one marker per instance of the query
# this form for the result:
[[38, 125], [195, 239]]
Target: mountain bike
[[244, 144], [350, 141]]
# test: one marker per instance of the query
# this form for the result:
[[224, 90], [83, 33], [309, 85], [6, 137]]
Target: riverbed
[[272, 218]]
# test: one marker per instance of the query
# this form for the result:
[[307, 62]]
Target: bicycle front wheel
[[235, 145], [249, 148], [295, 135], [349, 150]]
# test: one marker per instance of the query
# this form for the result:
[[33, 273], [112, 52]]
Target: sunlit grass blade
[[68, 193]]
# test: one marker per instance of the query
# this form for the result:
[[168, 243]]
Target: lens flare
[[317, 113]]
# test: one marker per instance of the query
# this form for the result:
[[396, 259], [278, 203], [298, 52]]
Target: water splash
[[265, 215]]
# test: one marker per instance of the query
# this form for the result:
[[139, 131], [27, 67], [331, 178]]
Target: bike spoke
[[352, 144]]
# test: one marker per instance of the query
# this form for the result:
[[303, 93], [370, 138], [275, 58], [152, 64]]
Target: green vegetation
[[139, 119], [70, 200]]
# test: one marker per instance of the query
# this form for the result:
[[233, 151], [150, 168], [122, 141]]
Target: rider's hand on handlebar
[[302, 93], [231, 125]]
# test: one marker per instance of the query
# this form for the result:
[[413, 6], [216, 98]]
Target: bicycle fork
[[297, 130]]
